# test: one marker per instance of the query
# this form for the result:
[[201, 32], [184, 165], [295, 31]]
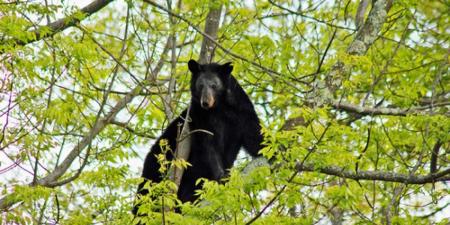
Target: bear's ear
[[194, 67], [226, 68]]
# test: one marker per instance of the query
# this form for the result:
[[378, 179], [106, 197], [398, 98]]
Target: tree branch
[[444, 175], [132, 130], [212, 39], [368, 32], [61, 24], [211, 27], [96, 129], [434, 156], [299, 13], [366, 111], [206, 56], [359, 17], [51, 180]]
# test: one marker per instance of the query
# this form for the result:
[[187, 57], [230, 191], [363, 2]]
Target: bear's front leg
[[215, 162], [211, 153]]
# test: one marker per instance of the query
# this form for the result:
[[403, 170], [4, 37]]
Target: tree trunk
[[206, 56]]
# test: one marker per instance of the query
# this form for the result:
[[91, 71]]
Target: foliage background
[[353, 97]]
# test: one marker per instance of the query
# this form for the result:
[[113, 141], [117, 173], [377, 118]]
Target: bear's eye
[[214, 86]]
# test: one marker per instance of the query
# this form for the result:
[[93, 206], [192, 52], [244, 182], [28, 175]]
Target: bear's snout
[[207, 100]]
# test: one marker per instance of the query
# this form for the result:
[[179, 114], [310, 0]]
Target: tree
[[353, 98]]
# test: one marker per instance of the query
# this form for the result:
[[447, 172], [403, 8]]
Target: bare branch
[[444, 175], [211, 27], [366, 111], [131, 130], [206, 55], [359, 18], [369, 31], [434, 156]]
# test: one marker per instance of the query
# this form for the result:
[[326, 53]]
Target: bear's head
[[209, 83]]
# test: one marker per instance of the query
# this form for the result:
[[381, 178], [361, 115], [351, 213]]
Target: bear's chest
[[215, 130], [216, 122], [211, 128]]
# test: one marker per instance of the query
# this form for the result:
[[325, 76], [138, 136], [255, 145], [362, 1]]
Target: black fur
[[219, 105]]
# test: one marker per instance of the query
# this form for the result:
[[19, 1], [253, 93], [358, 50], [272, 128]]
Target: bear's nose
[[204, 104]]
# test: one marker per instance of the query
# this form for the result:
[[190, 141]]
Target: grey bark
[[211, 28], [359, 18], [368, 33], [206, 56], [443, 175]]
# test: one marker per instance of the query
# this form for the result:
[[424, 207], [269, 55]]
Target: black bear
[[219, 105]]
